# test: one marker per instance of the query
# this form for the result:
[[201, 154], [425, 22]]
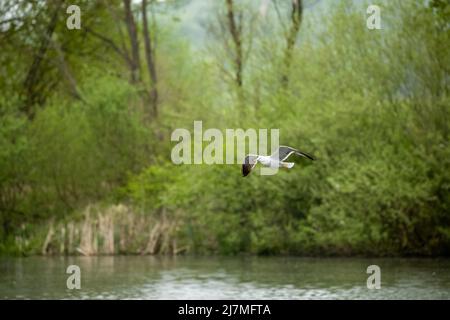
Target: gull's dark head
[[246, 169]]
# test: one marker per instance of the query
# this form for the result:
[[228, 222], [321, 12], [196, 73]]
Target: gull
[[276, 160]]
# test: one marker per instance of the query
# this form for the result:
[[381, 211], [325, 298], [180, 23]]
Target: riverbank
[[107, 230]]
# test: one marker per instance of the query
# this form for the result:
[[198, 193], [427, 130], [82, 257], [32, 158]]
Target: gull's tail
[[287, 164]]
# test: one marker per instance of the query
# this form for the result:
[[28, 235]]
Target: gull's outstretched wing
[[284, 152], [249, 163]]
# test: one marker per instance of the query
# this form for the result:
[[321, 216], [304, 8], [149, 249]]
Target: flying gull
[[276, 160]]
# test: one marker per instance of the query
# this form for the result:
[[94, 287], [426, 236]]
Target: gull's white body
[[276, 160], [268, 161]]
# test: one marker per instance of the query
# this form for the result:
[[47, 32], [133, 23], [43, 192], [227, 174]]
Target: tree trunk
[[291, 37], [150, 58], [132, 33], [236, 34], [33, 75]]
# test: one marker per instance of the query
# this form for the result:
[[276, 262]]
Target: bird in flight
[[276, 160]]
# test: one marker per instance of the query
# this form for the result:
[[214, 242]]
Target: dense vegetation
[[86, 117]]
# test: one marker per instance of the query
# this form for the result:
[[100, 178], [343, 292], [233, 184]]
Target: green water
[[133, 277]]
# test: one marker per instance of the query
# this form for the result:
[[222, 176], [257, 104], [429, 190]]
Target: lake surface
[[136, 277]]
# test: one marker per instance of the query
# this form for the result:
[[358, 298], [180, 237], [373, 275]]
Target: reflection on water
[[131, 277]]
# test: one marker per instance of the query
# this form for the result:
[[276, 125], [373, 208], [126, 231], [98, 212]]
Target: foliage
[[372, 105]]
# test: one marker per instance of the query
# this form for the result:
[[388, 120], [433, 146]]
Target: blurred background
[[86, 117]]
